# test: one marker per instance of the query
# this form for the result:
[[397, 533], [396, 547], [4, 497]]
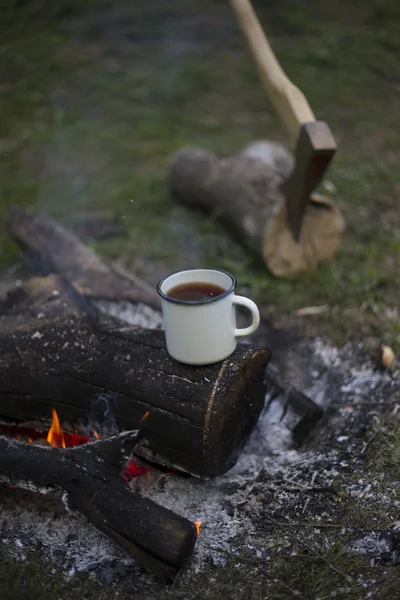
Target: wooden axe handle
[[288, 100]]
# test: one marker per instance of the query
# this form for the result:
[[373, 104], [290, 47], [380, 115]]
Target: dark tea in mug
[[199, 315], [195, 291]]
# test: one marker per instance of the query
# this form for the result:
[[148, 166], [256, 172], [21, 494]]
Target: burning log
[[90, 475], [58, 250], [199, 418]]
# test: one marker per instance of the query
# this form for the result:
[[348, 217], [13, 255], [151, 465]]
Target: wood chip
[[311, 310]]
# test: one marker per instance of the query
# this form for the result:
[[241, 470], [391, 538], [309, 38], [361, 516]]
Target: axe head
[[314, 151]]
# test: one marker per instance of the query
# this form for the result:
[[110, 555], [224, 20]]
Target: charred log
[[305, 413], [199, 418], [90, 475], [58, 250]]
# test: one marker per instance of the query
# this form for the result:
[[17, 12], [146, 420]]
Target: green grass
[[299, 575], [34, 579], [384, 453], [88, 124]]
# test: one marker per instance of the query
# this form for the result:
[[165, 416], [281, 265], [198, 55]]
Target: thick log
[[90, 476], [246, 192], [59, 251], [199, 417]]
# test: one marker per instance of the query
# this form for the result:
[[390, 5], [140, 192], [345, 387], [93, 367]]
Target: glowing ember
[[55, 437], [132, 470], [145, 416], [74, 439], [198, 524]]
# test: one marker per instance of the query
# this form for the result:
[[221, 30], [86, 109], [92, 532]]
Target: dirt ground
[[95, 97]]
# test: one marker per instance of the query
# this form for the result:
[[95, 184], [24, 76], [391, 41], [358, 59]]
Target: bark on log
[[200, 418], [245, 191], [156, 537], [60, 251]]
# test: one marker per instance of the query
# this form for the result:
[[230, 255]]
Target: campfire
[[95, 476], [62, 354], [55, 437]]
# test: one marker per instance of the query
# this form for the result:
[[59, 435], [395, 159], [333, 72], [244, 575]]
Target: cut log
[[200, 417], [90, 475], [60, 251], [245, 191]]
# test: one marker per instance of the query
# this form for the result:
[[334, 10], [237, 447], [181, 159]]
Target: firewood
[[50, 295], [245, 192], [199, 417], [90, 475], [58, 250]]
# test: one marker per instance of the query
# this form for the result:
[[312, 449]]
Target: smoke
[[102, 420]]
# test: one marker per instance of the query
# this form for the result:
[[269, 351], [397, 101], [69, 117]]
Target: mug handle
[[242, 301]]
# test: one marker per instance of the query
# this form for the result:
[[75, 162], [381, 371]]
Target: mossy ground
[[95, 98]]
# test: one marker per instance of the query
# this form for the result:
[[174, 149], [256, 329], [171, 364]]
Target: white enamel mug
[[202, 332]]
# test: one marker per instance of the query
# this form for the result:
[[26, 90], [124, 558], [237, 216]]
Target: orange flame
[[198, 524], [55, 437], [145, 416], [95, 435]]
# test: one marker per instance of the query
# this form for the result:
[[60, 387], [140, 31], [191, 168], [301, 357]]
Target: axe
[[315, 144]]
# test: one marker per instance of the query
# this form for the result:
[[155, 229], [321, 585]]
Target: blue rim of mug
[[194, 302]]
